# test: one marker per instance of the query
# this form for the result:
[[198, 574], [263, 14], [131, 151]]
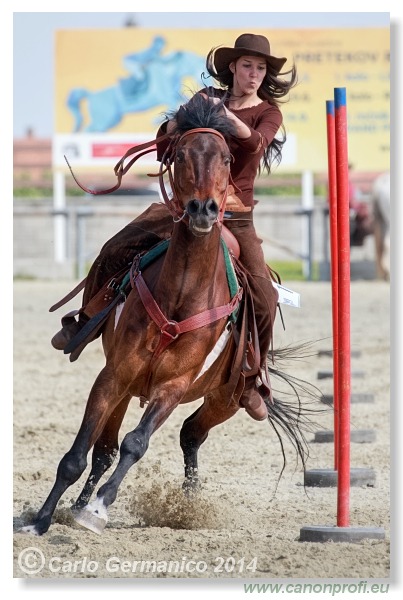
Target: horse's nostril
[[193, 207], [211, 207]]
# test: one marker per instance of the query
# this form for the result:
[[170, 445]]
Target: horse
[[159, 84], [173, 339], [380, 195]]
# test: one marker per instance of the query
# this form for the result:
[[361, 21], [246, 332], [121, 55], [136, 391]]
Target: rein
[[168, 158], [120, 169]]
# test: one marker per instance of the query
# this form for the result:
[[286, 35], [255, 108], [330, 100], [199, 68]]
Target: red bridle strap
[[202, 130], [171, 330]]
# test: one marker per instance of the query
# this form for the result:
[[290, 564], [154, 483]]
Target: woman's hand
[[210, 99], [242, 130]]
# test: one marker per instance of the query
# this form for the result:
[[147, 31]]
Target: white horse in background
[[381, 212]]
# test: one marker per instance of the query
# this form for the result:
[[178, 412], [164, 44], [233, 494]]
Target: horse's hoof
[[94, 516], [191, 488], [31, 529]]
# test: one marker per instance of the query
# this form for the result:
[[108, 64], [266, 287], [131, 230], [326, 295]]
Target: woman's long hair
[[273, 88]]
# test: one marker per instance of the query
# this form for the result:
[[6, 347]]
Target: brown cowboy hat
[[247, 44]]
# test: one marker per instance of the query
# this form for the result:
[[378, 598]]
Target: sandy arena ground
[[245, 524]]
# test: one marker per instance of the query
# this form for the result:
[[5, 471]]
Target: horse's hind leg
[[195, 430], [101, 402], [104, 453]]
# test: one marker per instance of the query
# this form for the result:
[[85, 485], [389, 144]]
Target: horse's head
[[201, 162], [201, 172]]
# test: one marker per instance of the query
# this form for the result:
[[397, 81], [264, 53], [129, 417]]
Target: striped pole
[[343, 303], [332, 192]]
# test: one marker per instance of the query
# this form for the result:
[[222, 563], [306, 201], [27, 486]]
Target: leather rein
[[169, 329], [168, 158]]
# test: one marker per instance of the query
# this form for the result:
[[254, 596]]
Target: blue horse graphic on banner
[[154, 80]]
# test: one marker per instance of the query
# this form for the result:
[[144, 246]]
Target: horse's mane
[[201, 112]]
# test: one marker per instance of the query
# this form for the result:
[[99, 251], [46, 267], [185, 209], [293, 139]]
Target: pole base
[[354, 399], [340, 534], [329, 374], [357, 436], [328, 477]]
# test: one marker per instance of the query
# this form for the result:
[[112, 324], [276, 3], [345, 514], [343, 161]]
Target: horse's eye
[[180, 157], [227, 161]]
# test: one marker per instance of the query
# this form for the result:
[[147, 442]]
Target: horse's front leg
[[101, 402], [132, 449], [104, 453], [194, 432]]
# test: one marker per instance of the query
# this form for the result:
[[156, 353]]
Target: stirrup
[[70, 327]]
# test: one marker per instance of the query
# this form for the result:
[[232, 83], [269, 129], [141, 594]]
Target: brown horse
[[157, 341]]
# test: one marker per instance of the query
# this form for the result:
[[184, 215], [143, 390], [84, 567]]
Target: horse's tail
[[73, 103], [293, 416]]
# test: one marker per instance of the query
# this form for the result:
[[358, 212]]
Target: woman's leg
[[265, 298], [149, 228]]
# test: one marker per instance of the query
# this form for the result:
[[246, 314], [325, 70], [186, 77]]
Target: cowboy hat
[[247, 44]]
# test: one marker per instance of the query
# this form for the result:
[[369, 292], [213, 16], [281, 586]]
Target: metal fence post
[[82, 212]]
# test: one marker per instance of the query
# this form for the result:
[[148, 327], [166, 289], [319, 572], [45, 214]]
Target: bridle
[[167, 161]]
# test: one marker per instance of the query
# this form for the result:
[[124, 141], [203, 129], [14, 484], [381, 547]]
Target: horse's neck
[[190, 267]]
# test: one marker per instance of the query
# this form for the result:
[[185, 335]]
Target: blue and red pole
[[344, 313]]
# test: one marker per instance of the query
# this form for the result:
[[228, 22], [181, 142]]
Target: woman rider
[[250, 87]]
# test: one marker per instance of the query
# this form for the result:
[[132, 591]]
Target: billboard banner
[[117, 85]]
